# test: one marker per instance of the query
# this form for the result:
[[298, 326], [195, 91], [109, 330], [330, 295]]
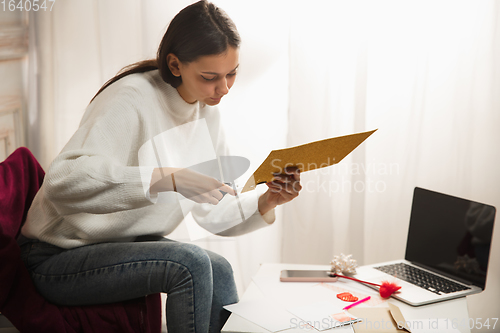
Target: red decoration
[[347, 297], [386, 289]]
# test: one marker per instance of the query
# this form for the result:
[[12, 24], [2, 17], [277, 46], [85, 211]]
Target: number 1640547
[[27, 5]]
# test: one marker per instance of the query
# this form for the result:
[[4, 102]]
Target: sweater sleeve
[[232, 216], [94, 173]]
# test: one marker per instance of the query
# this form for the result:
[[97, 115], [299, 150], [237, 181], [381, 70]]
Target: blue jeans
[[197, 282]]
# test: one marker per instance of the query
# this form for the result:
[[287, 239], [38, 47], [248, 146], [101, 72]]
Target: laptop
[[447, 250]]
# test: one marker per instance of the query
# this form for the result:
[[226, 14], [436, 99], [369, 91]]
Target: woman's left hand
[[284, 188]]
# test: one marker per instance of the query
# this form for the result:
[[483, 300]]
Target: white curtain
[[425, 73]]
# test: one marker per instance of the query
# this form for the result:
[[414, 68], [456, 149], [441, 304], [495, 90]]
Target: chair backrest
[[20, 178]]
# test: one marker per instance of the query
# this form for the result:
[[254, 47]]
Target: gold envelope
[[380, 320], [310, 156]]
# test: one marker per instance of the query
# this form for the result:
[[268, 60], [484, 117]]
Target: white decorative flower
[[343, 264]]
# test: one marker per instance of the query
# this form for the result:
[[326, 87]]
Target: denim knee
[[222, 268], [196, 260], [223, 280]]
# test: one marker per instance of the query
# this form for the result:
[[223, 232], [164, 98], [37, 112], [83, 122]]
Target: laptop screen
[[450, 235]]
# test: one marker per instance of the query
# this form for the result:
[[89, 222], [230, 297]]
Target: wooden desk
[[453, 310]]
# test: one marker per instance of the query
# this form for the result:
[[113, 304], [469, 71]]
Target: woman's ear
[[173, 64]]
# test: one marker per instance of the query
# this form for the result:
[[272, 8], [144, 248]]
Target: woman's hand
[[192, 185], [284, 188]]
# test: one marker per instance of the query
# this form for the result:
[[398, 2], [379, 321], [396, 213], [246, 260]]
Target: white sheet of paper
[[433, 325], [292, 294], [265, 313], [288, 294], [322, 315]]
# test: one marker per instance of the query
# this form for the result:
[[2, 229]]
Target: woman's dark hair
[[199, 29]]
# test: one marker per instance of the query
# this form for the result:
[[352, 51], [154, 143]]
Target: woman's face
[[208, 78]]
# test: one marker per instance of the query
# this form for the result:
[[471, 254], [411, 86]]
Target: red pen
[[356, 303]]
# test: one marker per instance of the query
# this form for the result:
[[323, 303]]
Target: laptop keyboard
[[421, 278]]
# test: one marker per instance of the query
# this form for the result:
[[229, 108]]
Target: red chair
[[20, 178]]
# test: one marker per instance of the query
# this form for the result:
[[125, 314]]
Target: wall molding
[[13, 42], [11, 124]]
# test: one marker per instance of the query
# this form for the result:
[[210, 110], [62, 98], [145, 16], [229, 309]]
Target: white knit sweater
[[96, 190]]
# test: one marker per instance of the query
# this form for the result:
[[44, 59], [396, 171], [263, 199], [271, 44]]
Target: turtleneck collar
[[172, 101]]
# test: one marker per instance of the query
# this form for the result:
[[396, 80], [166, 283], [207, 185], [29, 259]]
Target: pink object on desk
[[356, 303]]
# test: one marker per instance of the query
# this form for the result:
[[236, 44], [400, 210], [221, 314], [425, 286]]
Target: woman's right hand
[[191, 184]]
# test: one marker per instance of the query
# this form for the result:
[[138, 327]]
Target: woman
[[94, 231]]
